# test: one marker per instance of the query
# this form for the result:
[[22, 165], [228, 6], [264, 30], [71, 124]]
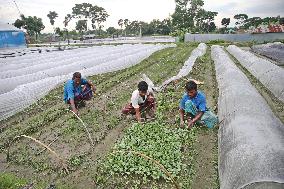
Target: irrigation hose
[[89, 135], [64, 165], [155, 162]]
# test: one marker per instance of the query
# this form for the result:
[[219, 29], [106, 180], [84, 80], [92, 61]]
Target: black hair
[[76, 75], [191, 85], [142, 86]]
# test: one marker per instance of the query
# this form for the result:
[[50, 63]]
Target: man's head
[[77, 78], [142, 88], [191, 89]]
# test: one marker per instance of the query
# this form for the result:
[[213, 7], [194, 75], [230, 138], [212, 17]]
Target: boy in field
[[142, 100]]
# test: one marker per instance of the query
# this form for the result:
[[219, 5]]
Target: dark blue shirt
[[199, 101], [70, 91]]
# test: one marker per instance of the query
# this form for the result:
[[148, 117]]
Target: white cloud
[[144, 10]]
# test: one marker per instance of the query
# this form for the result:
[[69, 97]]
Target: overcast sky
[[141, 10]]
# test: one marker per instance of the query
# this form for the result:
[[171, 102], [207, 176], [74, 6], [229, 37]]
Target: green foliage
[[163, 27], [180, 34], [82, 10], [19, 23], [225, 22], [182, 19], [31, 126], [67, 19], [112, 30], [190, 16], [256, 21], [81, 25], [97, 15], [52, 15], [155, 27], [9, 181], [59, 32], [120, 23], [76, 160], [33, 25], [240, 19], [216, 42], [73, 127], [155, 140]]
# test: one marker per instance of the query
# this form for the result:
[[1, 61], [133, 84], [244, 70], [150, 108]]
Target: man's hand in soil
[[189, 123], [76, 111], [181, 124], [93, 89]]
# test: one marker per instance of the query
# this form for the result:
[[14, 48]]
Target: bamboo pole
[[62, 161]]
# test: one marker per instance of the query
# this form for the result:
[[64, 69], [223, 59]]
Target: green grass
[[10, 181]]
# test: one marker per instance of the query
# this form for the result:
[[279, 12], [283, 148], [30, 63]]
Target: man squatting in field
[[142, 100], [77, 90], [193, 106]]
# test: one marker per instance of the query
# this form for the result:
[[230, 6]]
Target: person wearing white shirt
[[142, 100]]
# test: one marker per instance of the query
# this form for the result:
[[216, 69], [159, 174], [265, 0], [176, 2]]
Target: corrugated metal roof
[[8, 27]]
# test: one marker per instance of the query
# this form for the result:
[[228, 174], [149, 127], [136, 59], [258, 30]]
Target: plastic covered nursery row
[[28, 88], [250, 136], [57, 66], [15, 52], [187, 67], [269, 74], [275, 51]]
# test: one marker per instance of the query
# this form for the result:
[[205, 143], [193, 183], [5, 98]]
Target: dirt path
[[206, 175]]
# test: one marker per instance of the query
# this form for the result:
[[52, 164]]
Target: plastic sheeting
[[250, 138], [45, 64], [274, 51], [71, 56], [269, 74], [29, 90], [14, 52], [121, 40], [61, 64], [184, 71], [10, 36]]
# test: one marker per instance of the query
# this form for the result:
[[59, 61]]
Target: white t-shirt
[[136, 99]]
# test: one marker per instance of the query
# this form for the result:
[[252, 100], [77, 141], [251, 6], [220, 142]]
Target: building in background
[[271, 28], [11, 37]]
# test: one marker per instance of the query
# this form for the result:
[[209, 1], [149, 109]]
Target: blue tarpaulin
[[11, 36]]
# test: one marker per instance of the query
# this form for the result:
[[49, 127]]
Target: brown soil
[[206, 175]]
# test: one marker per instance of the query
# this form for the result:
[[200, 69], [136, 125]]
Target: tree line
[[189, 16], [244, 22]]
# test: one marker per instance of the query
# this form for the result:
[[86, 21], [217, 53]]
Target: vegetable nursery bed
[[190, 157]]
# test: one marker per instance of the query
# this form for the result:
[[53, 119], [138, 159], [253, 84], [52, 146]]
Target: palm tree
[[126, 23], [67, 19], [120, 23], [52, 15]]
